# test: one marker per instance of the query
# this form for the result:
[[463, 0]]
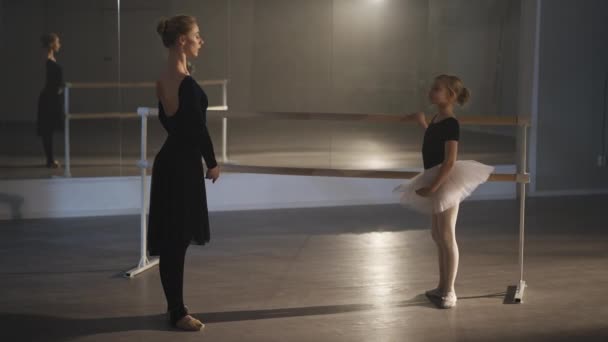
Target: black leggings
[[47, 144], [171, 267]]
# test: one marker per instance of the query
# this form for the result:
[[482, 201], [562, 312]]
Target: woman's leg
[[171, 267], [447, 230], [47, 144]]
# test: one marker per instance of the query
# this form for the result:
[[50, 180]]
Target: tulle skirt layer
[[463, 179]]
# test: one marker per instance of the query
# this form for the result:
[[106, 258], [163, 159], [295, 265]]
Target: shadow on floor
[[31, 327], [437, 301], [234, 316]]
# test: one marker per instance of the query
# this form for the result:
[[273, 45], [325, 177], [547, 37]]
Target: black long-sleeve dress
[[178, 199], [50, 101]]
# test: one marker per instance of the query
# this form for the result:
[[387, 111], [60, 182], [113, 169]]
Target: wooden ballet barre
[[324, 172], [116, 115], [477, 120], [109, 115], [467, 120], [101, 85]]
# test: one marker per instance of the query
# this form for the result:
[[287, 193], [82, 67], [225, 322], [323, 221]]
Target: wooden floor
[[331, 274]]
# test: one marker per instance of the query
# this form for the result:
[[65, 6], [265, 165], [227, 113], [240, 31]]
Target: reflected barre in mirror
[[228, 166], [477, 120], [117, 115]]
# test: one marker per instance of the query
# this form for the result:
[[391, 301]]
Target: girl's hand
[[425, 192], [213, 174], [418, 117]]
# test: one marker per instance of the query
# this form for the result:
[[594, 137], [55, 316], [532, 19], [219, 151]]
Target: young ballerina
[[445, 181], [178, 201]]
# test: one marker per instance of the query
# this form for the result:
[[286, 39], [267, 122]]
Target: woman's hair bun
[[162, 26]]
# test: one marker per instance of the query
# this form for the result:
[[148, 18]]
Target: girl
[[178, 201], [445, 181], [50, 102]]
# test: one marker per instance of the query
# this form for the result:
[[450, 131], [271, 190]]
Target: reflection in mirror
[[333, 56], [64, 43]]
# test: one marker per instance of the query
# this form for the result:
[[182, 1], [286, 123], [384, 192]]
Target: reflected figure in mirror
[[50, 102]]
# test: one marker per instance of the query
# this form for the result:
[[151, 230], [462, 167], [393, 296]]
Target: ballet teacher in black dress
[[50, 102], [178, 201]]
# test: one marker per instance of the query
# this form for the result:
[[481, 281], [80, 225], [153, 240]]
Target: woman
[[50, 102], [178, 202]]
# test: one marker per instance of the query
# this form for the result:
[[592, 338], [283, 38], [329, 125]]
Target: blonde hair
[[456, 86], [170, 29]]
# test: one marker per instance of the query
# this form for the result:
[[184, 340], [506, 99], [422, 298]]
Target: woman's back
[[184, 113], [168, 90]]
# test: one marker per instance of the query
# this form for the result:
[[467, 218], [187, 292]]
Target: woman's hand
[[213, 174]]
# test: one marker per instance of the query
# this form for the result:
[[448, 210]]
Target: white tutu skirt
[[463, 179]]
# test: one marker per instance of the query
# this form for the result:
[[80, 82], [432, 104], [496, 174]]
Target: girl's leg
[[447, 230], [437, 239]]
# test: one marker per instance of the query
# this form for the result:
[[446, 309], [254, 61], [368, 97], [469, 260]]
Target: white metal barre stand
[[224, 139], [225, 124], [144, 262], [523, 179], [66, 130]]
